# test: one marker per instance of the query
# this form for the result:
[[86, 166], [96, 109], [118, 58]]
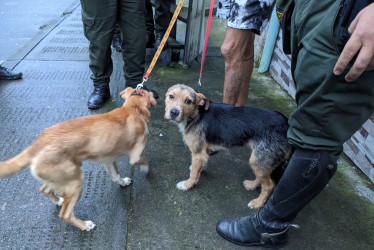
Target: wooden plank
[[196, 13]]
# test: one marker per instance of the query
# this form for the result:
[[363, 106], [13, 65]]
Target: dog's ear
[[151, 99], [201, 100], [125, 93]]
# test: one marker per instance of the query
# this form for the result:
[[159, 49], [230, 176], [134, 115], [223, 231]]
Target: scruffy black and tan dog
[[214, 126]]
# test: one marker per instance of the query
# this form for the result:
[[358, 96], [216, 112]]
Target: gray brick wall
[[360, 147]]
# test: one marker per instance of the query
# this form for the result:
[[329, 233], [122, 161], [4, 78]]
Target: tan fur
[[200, 149], [56, 156]]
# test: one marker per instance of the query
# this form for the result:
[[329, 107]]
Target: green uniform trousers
[[99, 18], [162, 15], [329, 109], [160, 21]]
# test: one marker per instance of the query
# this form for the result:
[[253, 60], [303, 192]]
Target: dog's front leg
[[198, 161], [114, 174]]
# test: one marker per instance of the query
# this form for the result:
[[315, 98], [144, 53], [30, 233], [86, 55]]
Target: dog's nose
[[174, 113]]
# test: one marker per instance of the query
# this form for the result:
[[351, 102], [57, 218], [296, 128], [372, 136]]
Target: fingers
[[361, 43], [361, 63], [353, 25], [349, 51]]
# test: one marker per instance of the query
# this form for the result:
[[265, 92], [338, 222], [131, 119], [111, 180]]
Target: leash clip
[[199, 83], [198, 87], [140, 85]]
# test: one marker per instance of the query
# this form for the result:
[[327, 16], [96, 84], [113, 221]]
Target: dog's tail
[[16, 164]]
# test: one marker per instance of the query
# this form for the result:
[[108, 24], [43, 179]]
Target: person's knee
[[234, 50], [227, 51], [231, 49]]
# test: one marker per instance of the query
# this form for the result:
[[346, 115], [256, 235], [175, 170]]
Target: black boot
[[159, 36], [116, 44], [150, 39], [7, 74], [135, 84], [306, 175], [98, 97]]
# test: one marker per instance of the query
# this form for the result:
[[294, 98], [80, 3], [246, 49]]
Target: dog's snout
[[174, 112]]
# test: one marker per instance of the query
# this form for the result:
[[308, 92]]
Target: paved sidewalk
[[152, 213]]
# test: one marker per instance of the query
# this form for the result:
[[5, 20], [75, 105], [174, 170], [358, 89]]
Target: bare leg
[[247, 68], [114, 174], [237, 49]]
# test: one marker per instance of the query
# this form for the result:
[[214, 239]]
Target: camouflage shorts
[[223, 8], [249, 14]]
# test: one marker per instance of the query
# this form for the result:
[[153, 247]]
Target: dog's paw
[[250, 185], [89, 225], [255, 204], [181, 186], [125, 181], [190, 168], [144, 169], [60, 201]]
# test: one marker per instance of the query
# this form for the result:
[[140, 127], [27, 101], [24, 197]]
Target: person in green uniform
[[332, 47], [158, 23], [99, 20]]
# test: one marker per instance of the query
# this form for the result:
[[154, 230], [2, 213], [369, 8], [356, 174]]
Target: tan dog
[[56, 156], [215, 126]]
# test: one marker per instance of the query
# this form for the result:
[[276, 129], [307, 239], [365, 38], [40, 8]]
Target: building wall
[[360, 148]]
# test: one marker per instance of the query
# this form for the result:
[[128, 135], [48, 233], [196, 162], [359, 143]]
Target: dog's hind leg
[[252, 185], [137, 158], [49, 192], [267, 186], [262, 178], [114, 174], [198, 162], [71, 192]]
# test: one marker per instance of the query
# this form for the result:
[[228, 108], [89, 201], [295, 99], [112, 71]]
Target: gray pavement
[[24, 23], [151, 213]]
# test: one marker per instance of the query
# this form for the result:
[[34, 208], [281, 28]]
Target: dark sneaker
[[7, 74], [98, 97]]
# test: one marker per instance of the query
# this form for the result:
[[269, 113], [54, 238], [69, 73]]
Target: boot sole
[[267, 245]]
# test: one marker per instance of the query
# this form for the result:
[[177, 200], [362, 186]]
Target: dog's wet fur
[[56, 156], [210, 126]]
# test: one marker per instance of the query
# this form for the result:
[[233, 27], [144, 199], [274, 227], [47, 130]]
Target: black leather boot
[[306, 175], [98, 97], [135, 84], [7, 74]]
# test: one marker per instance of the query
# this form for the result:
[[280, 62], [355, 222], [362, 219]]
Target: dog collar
[[140, 93]]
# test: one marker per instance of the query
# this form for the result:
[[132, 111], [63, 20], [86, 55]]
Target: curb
[[45, 29]]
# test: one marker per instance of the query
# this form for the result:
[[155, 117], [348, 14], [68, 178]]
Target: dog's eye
[[171, 97], [188, 101]]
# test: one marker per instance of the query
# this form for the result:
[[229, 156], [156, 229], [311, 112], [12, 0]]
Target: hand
[[361, 42]]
